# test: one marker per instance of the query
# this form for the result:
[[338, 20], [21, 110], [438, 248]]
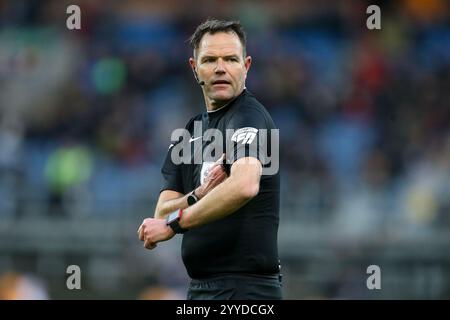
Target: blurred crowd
[[364, 115]]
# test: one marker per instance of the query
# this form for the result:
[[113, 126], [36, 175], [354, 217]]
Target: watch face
[[173, 221], [191, 200], [172, 217]]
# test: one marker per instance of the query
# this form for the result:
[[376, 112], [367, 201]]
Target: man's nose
[[220, 68]]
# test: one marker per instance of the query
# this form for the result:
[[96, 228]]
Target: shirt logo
[[245, 135], [193, 139]]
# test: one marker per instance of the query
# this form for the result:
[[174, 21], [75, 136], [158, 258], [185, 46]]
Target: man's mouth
[[217, 82]]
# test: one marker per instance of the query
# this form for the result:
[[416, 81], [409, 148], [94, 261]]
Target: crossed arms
[[219, 197]]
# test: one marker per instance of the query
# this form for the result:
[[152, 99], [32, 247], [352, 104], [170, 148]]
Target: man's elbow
[[249, 190], [159, 213]]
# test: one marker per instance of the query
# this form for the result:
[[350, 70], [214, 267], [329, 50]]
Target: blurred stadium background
[[86, 116]]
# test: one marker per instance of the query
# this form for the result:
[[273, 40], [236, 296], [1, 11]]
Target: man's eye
[[232, 59], [208, 60]]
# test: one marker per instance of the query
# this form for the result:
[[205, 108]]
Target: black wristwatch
[[173, 221], [192, 198]]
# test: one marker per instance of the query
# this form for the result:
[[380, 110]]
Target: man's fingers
[[217, 169], [219, 178], [218, 163], [214, 171], [222, 176], [141, 233], [149, 245], [218, 174], [220, 160]]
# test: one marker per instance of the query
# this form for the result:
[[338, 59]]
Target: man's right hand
[[215, 177]]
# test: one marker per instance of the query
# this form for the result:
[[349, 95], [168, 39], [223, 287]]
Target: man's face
[[220, 64]]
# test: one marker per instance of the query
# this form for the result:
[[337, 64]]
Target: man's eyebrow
[[232, 56], [206, 56]]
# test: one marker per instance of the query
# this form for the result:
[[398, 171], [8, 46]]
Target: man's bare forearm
[[225, 199], [168, 203], [168, 206]]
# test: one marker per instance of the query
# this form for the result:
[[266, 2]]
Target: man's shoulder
[[250, 107], [249, 103], [249, 99]]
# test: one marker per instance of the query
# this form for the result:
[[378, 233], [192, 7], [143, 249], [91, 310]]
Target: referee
[[227, 211]]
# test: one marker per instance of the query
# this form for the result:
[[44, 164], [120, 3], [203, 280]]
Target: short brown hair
[[213, 26]]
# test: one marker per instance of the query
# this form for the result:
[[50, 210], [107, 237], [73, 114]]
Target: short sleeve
[[172, 174], [247, 134]]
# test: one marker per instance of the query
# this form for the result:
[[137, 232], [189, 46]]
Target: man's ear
[[248, 62], [192, 63], [193, 67]]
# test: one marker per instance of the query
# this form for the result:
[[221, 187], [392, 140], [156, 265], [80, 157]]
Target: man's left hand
[[153, 231]]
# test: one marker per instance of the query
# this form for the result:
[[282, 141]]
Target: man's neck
[[212, 106], [217, 107]]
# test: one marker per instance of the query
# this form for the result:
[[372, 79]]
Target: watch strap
[[173, 221]]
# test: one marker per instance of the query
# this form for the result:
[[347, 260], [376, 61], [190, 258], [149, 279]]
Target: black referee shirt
[[246, 240]]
